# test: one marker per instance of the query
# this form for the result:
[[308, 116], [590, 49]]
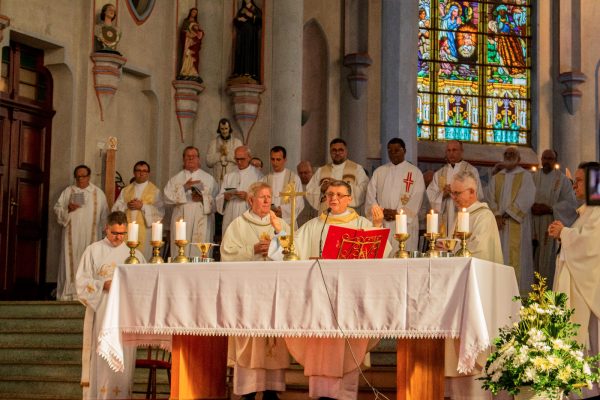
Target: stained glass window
[[474, 71]]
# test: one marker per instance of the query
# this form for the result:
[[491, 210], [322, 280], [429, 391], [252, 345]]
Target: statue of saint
[[191, 42], [107, 33], [248, 25]]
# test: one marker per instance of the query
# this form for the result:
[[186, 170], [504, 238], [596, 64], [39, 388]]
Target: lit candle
[[132, 232], [432, 222], [401, 226], [556, 166], [157, 231], [180, 230], [463, 221], [533, 169]]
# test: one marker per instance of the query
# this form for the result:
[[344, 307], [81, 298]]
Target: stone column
[[399, 75], [286, 78]]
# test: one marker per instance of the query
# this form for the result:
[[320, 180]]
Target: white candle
[[432, 222], [401, 226], [157, 231], [180, 230], [132, 232], [463, 221]]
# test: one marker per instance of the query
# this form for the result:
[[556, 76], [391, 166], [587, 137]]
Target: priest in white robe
[[94, 278], [192, 191], [331, 369], [280, 179], [341, 168], [438, 191], [142, 202], [395, 186], [510, 195], [81, 210], [554, 200], [259, 362], [220, 156], [231, 200]]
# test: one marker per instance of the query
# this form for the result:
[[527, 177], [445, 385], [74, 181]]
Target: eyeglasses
[[456, 194], [141, 171], [81, 176], [118, 233], [331, 195]]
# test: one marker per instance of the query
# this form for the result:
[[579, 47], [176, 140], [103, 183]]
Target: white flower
[[530, 374], [586, 369], [496, 377], [554, 361]]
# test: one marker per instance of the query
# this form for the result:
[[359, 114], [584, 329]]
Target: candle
[[180, 231], [132, 232], [401, 223], [157, 231], [432, 222], [463, 221]]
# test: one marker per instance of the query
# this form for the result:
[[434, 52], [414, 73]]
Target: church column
[[354, 102], [567, 136], [286, 78], [399, 75]]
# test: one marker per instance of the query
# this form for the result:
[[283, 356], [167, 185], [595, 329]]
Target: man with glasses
[[94, 278], [142, 202], [510, 195], [232, 199], [80, 210]]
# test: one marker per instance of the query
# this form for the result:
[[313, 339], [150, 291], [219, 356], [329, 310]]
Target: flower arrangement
[[540, 351]]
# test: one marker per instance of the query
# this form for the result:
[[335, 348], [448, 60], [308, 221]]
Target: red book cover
[[349, 243]]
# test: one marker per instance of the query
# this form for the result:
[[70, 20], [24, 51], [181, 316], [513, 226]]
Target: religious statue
[[107, 33], [191, 42], [248, 25]]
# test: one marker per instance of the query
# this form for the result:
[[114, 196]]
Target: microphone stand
[[323, 229]]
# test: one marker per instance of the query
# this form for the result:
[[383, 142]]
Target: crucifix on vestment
[[289, 196]]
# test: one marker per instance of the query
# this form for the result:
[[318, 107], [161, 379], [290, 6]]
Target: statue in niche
[[107, 33], [191, 42], [248, 25]]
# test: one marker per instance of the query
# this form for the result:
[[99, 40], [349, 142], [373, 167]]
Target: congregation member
[[341, 168], [438, 191], [94, 278], [510, 195], [142, 202], [81, 210], [280, 179], [259, 362], [305, 172], [231, 201], [328, 362], [395, 186], [554, 200], [220, 156], [192, 193]]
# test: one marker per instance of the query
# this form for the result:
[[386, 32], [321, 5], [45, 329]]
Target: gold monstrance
[[289, 196]]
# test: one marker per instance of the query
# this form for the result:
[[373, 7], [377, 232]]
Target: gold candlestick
[[432, 252], [132, 259], [156, 258], [181, 258], [463, 236], [402, 238]]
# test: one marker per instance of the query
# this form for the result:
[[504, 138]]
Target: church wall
[[374, 85]]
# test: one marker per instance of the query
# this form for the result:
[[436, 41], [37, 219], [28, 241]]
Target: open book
[[350, 243]]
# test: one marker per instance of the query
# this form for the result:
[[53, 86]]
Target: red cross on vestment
[[408, 181]]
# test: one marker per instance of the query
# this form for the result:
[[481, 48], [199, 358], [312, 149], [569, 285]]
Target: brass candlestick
[[402, 238], [463, 236], [156, 258], [204, 249], [132, 259], [181, 258], [432, 237]]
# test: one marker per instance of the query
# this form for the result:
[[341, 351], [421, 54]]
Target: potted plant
[[539, 354]]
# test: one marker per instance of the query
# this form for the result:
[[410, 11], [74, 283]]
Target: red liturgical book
[[348, 243]]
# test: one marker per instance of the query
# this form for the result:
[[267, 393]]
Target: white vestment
[[97, 265], [307, 213], [555, 190], [259, 362], [348, 171], [279, 182], [435, 193], [398, 187], [80, 228], [198, 215], [512, 193], [153, 210], [221, 156], [238, 180]]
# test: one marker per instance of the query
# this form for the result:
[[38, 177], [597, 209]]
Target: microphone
[[322, 229]]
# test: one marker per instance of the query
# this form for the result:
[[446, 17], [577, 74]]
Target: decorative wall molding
[[245, 99], [357, 79], [107, 74], [571, 93], [187, 96]]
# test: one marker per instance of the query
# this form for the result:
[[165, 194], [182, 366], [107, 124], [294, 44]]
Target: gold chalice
[[447, 244], [204, 249]]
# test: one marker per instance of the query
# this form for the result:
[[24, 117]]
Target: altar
[[424, 298]]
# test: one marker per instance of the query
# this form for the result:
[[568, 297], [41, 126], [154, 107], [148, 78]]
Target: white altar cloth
[[461, 298]]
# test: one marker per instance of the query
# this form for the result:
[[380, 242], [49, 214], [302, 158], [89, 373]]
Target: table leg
[[420, 369]]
